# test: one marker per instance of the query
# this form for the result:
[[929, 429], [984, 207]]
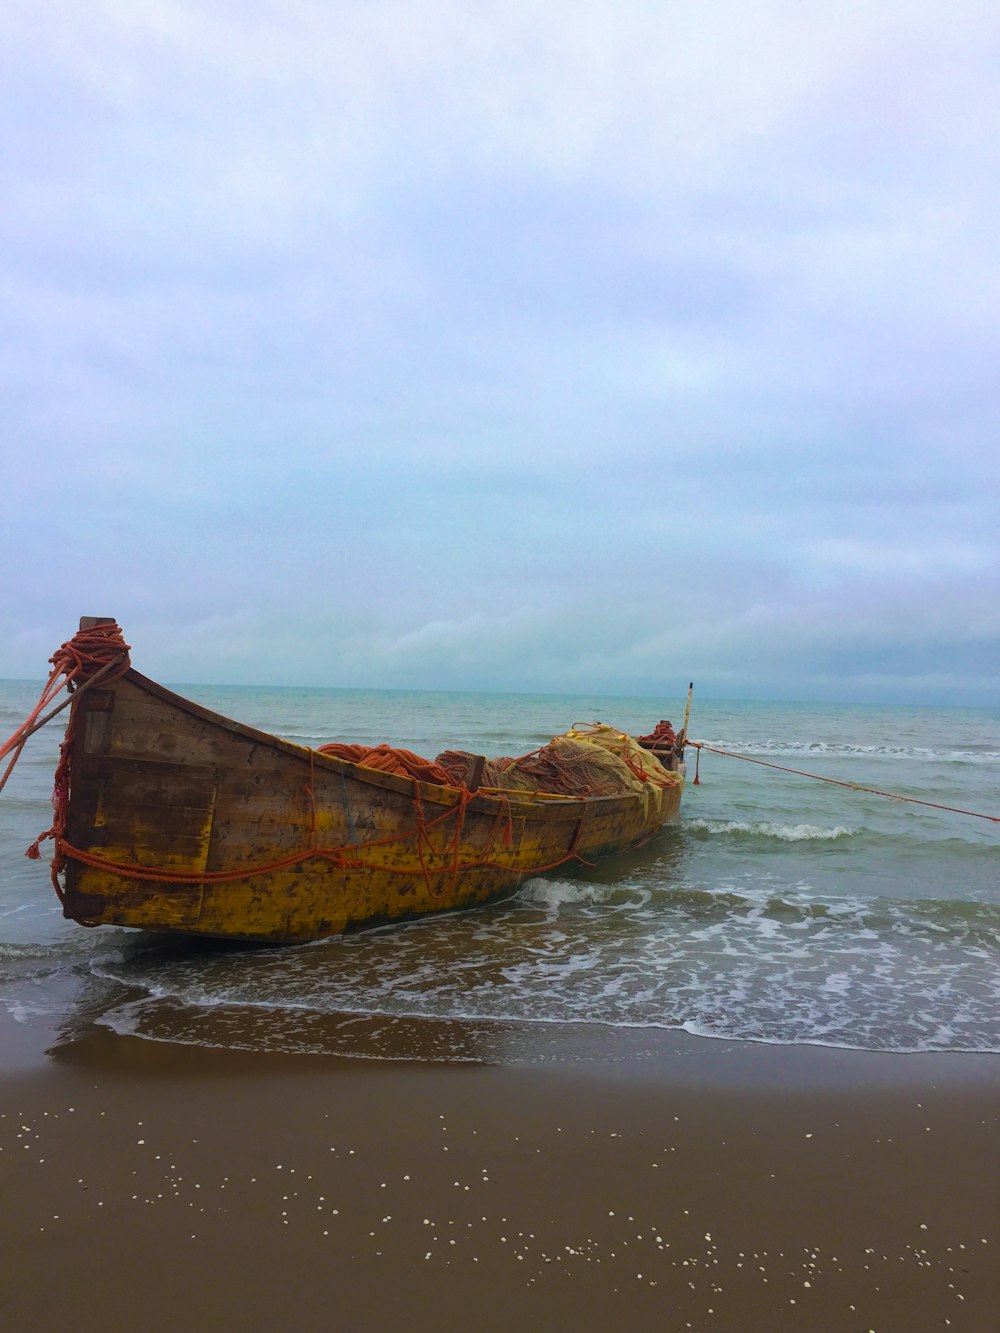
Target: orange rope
[[837, 782], [504, 818], [390, 759], [99, 652], [422, 837], [454, 848], [335, 855], [310, 791], [99, 649]]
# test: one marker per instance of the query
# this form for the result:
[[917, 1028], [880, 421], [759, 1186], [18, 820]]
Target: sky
[[574, 347]]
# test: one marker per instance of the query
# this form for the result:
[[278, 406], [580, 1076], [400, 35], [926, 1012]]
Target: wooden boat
[[171, 817]]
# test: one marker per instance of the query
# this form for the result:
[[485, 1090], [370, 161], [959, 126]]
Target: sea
[[777, 909]]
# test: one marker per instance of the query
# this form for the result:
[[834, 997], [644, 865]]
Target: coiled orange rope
[[97, 653], [839, 782], [390, 759]]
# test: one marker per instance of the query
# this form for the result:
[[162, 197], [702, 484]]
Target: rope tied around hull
[[95, 653], [88, 656], [428, 863]]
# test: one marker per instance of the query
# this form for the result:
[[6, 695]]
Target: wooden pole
[[687, 716]]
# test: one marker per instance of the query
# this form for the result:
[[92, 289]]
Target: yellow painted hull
[[182, 820]]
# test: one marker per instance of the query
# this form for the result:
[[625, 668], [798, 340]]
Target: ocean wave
[[765, 828], [72, 948], [775, 967], [943, 1040], [381, 1033], [772, 749], [139, 1020], [556, 893], [964, 922]]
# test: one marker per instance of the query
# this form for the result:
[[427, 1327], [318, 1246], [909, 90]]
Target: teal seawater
[[778, 909]]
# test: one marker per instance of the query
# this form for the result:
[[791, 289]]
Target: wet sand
[[716, 1186]]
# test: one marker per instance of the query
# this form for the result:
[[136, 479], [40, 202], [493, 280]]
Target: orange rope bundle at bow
[[97, 652]]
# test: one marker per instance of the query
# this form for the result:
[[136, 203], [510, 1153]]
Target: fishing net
[[593, 760], [571, 767], [460, 764], [390, 759], [646, 767]]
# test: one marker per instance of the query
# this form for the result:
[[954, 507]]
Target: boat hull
[[179, 819]]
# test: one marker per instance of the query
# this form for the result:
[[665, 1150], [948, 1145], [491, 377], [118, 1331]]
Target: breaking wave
[[789, 749], [780, 967], [765, 828]]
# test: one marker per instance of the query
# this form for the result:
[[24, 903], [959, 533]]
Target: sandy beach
[[718, 1186]]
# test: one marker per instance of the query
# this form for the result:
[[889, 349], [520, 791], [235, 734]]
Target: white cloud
[[551, 345], [893, 561]]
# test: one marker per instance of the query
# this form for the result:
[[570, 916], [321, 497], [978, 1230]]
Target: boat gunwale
[[546, 804]]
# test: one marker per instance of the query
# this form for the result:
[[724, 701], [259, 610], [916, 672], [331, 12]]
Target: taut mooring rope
[[838, 782]]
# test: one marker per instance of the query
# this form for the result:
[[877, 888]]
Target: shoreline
[[712, 1185]]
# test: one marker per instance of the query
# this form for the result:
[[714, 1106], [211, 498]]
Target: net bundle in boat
[[563, 768], [571, 767], [459, 764], [390, 759], [588, 761], [646, 767]]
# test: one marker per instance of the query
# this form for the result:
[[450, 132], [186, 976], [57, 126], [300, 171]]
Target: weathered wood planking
[[162, 784]]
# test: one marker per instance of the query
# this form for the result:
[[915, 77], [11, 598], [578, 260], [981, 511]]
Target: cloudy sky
[[566, 346]]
